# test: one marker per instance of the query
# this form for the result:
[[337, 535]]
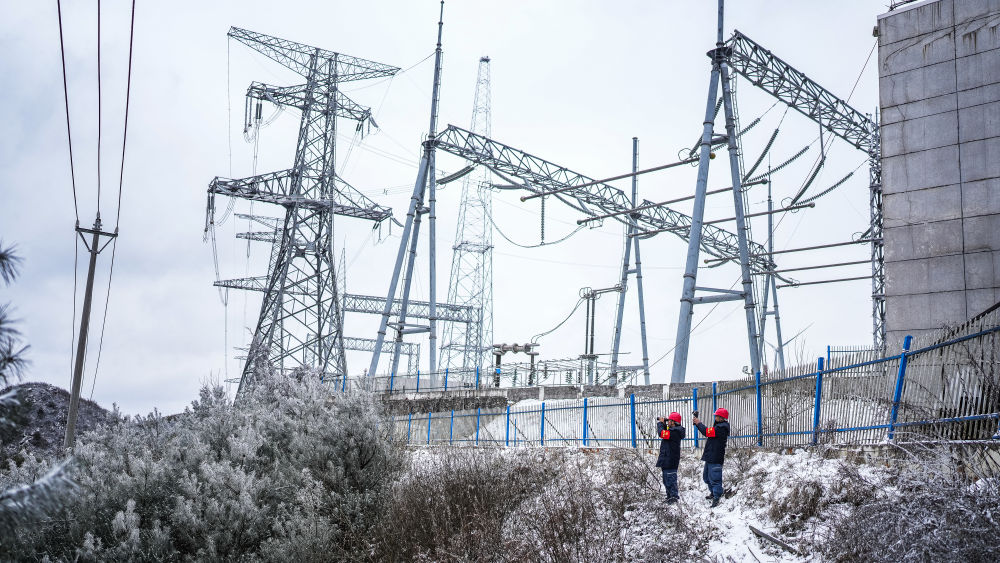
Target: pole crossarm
[[543, 176], [279, 188], [270, 222], [368, 345], [261, 236], [298, 97], [297, 57], [415, 309], [353, 303], [781, 80]]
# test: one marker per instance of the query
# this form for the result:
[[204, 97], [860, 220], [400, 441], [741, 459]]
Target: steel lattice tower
[[471, 283], [301, 321]]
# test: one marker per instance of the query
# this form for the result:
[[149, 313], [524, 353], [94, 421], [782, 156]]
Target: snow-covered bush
[[927, 511], [608, 507], [463, 504], [293, 471], [453, 502]]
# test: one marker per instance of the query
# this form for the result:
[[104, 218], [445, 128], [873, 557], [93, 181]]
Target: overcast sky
[[572, 82]]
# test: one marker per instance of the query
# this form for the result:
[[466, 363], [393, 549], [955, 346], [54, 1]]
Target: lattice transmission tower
[[301, 319], [466, 345]]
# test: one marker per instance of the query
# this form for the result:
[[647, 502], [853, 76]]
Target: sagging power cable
[[121, 182], [69, 133]]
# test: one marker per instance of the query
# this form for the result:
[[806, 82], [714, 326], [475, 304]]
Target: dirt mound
[[38, 424]]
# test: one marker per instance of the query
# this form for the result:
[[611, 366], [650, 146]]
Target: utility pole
[[630, 241], [409, 238], [771, 288], [720, 73], [591, 295], [94, 248]]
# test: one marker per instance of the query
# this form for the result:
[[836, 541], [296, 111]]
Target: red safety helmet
[[722, 412], [674, 416]]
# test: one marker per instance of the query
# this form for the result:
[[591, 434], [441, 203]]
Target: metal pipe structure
[[742, 227], [411, 228], [686, 314], [720, 74], [818, 267], [804, 248], [825, 281], [769, 289], [746, 216], [629, 242]]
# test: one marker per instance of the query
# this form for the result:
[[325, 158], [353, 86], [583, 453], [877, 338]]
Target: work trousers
[[712, 475], [670, 483]]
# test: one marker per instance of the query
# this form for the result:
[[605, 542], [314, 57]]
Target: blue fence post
[[409, 425], [429, 428], [451, 429], [694, 403], [714, 390], [760, 413], [477, 377], [392, 376], [506, 439], [584, 421], [819, 396], [418, 381], [898, 394], [631, 405], [478, 410], [343, 383], [445, 379], [542, 435]]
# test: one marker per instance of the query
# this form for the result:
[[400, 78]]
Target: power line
[[69, 134], [121, 177], [128, 95], [104, 319], [99, 108]]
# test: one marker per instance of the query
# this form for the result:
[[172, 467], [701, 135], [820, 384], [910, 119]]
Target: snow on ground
[[788, 494]]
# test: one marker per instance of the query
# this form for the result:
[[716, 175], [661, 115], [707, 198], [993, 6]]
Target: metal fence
[[549, 373], [946, 390]]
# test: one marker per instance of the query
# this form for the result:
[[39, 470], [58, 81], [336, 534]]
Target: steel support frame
[[540, 175], [410, 236], [776, 77], [720, 74], [630, 242]]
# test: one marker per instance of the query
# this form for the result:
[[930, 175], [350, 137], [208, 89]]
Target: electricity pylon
[[301, 322], [471, 283]]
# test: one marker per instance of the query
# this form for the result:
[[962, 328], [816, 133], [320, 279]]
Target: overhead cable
[[69, 134]]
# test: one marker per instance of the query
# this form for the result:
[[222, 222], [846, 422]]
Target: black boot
[[715, 502], [709, 496]]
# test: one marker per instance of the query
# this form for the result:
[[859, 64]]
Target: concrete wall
[[939, 87]]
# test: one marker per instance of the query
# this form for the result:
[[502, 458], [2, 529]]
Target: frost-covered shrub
[[931, 522], [452, 503], [925, 512], [603, 508], [293, 471]]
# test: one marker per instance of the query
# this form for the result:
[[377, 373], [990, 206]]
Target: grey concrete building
[[939, 87]]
